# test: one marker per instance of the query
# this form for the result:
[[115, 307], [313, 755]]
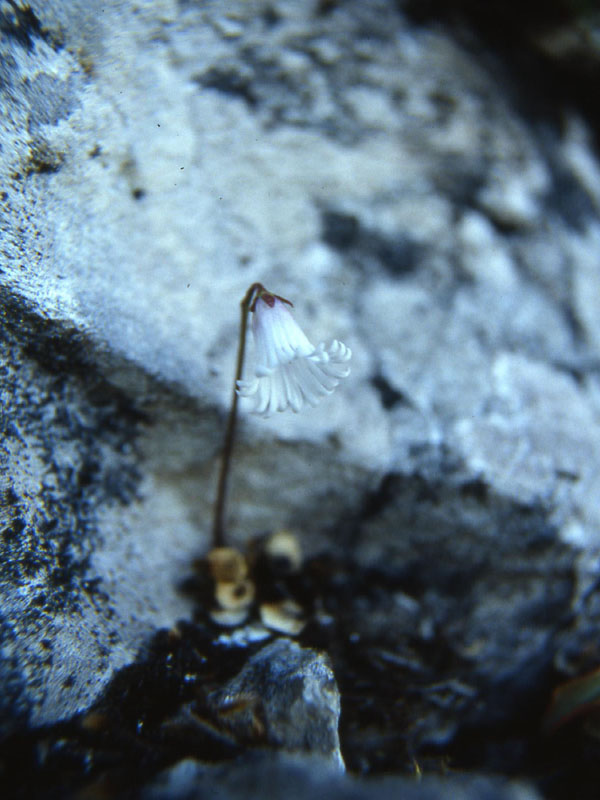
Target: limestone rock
[[157, 159]]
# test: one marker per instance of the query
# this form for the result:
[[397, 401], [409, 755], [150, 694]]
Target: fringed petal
[[289, 371]]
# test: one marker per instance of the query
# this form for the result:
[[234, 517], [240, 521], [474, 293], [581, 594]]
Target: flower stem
[[219, 512]]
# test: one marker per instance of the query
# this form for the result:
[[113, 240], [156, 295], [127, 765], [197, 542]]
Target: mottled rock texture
[[408, 195], [290, 694]]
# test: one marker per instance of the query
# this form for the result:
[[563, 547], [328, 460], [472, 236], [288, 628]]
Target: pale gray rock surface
[[158, 158]]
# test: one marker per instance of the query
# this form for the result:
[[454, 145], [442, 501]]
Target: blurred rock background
[[422, 180]]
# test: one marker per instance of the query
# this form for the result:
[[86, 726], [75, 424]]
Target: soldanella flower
[[289, 371]]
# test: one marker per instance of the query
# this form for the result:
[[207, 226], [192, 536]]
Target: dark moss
[[43, 159], [19, 23], [84, 432]]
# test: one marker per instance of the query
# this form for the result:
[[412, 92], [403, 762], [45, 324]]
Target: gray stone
[[287, 696], [302, 778]]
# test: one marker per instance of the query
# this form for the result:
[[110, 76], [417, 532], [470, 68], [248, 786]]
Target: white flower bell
[[289, 371]]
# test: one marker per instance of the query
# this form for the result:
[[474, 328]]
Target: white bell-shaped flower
[[289, 371]]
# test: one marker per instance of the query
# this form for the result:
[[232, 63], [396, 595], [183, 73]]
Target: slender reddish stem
[[219, 511]]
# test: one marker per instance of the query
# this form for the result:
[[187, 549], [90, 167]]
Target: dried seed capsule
[[283, 549], [284, 616], [235, 595], [228, 617], [227, 565]]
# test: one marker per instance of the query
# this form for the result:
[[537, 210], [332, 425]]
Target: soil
[[407, 701]]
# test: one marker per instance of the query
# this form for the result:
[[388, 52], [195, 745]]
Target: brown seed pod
[[284, 616], [283, 549], [235, 595], [227, 565], [228, 617]]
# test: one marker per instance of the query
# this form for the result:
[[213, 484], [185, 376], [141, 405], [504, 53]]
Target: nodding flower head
[[289, 371]]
